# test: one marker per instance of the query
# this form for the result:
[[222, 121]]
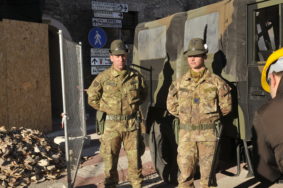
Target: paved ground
[[90, 173]]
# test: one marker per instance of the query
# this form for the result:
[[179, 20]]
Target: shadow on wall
[[230, 135], [163, 92]]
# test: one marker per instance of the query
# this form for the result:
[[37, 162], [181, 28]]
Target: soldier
[[267, 130], [119, 91], [198, 99]]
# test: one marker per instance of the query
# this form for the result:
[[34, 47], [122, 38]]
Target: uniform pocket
[[208, 101]]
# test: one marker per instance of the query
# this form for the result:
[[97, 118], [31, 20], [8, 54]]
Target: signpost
[[100, 61], [95, 70], [118, 7], [100, 52], [97, 37], [105, 22], [108, 14]]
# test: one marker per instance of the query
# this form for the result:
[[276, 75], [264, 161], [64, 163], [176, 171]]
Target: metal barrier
[[73, 104]]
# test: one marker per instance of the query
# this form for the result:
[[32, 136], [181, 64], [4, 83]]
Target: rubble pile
[[27, 156]]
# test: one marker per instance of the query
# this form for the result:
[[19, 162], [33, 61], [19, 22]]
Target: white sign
[[100, 52], [104, 22], [108, 14], [118, 7], [100, 61], [95, 70]]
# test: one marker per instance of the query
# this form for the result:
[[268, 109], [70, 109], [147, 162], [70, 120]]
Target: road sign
[[115, 7], [104, 22], [107, 14], [100, 61], [97, 37], [99, 52], [95, 70]]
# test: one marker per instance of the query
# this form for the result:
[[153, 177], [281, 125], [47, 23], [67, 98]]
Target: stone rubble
[[27, 156]]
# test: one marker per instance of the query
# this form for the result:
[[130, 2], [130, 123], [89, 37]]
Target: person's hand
[[63, 115]]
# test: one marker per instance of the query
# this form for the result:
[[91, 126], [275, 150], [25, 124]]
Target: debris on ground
[[26, 156]]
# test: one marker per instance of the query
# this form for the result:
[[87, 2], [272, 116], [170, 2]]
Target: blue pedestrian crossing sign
[[97, 37]]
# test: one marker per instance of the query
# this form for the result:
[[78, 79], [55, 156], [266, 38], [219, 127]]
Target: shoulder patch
[[95, 84]]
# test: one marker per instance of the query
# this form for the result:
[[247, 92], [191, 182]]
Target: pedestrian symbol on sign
[[93, 61], [97, 37]]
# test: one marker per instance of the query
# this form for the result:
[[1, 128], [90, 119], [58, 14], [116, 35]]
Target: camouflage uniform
[[198, 99], [119, 94]]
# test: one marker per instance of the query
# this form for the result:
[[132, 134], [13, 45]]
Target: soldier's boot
[[204, 184], [185, 185], [110, 186], [110, 182]]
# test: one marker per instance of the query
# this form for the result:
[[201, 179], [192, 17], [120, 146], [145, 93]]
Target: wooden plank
[[3, 78], [28, 76]]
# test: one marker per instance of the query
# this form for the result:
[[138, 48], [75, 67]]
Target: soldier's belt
[[120, 117], [197, 127]]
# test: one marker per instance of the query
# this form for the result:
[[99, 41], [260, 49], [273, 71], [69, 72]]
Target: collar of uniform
[[116, 73], [188, 75], [205, 75]]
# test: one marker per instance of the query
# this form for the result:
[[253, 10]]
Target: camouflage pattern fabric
[[189, 154], [199, 102], [119, 93], [114, 135], [197, 99]]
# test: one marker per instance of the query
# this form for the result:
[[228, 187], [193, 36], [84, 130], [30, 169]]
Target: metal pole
[[250, 167], [82, 84], [64, 120], [151, 97]]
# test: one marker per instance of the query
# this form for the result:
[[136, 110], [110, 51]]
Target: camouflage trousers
[[111, 141], [189, 154]]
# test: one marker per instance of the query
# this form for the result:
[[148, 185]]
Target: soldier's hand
[[64, 116]]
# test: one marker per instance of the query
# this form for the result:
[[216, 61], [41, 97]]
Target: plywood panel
[[28, 77], [3, 72]]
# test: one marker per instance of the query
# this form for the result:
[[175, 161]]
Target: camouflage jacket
[[116, 93], [201, 102]]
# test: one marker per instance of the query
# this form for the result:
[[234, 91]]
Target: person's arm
[[94, 93], [225, 99], [172, 100]]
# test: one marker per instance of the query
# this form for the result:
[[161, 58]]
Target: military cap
[[196, 47], [118, 47]]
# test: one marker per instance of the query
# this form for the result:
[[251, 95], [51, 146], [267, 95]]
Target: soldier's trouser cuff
[[137, 185]]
